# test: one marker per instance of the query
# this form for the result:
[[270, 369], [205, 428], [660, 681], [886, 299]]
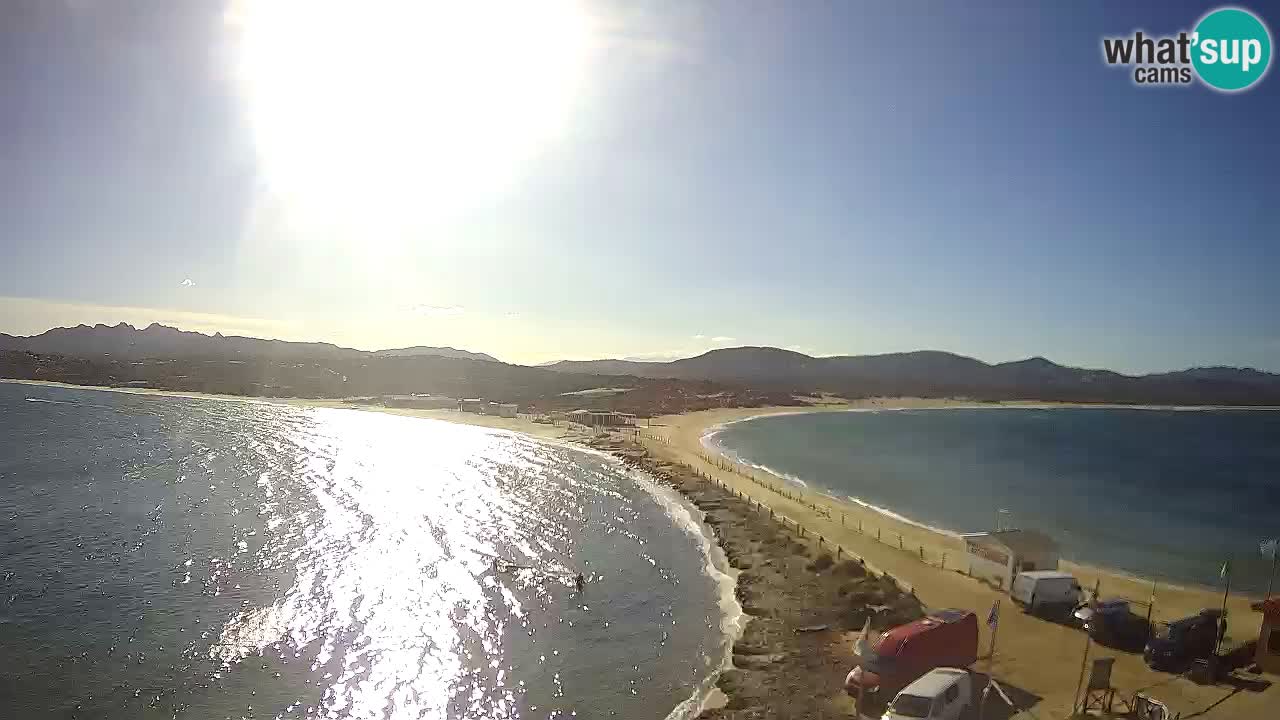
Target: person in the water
[[579, 581]]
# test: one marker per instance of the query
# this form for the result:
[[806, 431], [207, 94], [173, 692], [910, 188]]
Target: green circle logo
[[1231, 49]]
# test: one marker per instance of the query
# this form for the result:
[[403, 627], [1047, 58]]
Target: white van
[[1040, 591], [942, 694]]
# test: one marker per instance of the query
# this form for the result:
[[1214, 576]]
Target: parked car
[[1176, 644], [947, 638], [1111, 622], [1047, 593], [942, 694]]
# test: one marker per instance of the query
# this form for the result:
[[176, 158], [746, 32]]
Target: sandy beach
[[1039, 658], [1036, 660]]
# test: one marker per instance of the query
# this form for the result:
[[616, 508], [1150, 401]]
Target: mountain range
[[933, 373], [780, 373], [161, 341]]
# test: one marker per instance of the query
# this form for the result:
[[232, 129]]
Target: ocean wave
[[902, 518], [689, 519]]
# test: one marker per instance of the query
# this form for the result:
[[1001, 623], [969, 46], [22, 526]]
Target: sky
[[637, 179]]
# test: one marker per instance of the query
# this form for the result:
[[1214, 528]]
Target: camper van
[[946, 638], [1046, 592]]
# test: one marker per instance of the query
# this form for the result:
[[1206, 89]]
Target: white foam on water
[[689, 519], [902, 518]]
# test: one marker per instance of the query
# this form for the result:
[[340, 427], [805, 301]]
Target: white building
[[997, 556]]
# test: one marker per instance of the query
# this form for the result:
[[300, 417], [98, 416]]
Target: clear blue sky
[[837, 177]]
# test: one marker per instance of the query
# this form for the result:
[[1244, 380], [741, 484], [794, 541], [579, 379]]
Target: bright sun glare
[[395, 112]]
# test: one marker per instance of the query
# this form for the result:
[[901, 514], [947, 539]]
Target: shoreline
[[798, 603], [707, 422], [1037, 661], [1085, 567], [1038, 657]]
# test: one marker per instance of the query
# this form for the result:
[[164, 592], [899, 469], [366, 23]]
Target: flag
[[863, 643], [1269, 547], [993, 618], [1226, 569]]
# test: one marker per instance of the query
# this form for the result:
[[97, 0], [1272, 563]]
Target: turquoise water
[[1157, 493], [167, 557]]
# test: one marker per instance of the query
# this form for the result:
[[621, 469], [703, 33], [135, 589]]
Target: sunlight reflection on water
[[396, 582], [173, 557]]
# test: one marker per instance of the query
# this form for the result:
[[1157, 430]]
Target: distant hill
[[932, 373], [256, 366], [436, 351], [161, 341]]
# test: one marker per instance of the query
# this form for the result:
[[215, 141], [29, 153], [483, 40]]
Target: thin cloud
[[722, 339], [438, 310], [699, 337], [188, 283]]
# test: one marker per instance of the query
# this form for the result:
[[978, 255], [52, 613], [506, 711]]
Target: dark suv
[[1176, 644], [1112, 623]]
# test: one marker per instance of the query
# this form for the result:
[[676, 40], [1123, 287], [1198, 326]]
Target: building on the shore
[[1000, 555], [1268, 653], [424, 402], [601, 418], [488, 407]]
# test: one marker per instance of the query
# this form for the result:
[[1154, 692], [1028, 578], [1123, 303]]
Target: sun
[[387, 112]]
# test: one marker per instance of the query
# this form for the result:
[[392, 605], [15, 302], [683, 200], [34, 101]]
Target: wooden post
[[1084, 659], [1226, 569], [991, 652], [1275, 555]]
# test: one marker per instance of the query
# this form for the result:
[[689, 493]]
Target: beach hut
[[471, 405], [1000, 555], [1268, 653], [508, 410]]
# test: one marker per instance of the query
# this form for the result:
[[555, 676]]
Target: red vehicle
[[946, 638]]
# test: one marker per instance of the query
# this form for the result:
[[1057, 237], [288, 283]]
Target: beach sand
[[1041, 659], [1038, 662]]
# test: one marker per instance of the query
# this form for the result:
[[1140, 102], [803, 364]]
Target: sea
[[166, 557], [1166, 494]]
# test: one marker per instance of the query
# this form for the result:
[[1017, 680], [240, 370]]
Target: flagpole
[[1084, 659], [1226, 572], [995, 629], [1275, 555]]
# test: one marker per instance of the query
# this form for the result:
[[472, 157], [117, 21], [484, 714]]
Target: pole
[[991, 652], [1084, 659], [1275, 555], [1226, 569], [1151, 605]]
